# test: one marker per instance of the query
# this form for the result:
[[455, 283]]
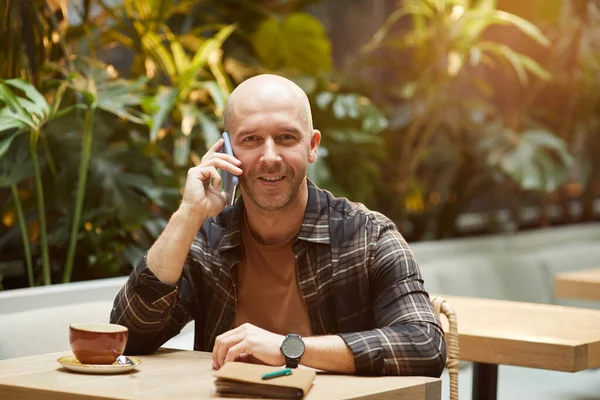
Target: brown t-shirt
[[268, 295]]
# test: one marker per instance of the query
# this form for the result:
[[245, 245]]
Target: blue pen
[[275, 374]]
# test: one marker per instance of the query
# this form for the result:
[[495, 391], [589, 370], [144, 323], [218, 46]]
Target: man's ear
[[315, 140]]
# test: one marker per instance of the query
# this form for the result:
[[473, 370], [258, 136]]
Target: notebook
[[237, 379]]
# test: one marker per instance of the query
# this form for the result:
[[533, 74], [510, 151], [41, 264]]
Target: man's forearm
[[328, 353], [167, 255]]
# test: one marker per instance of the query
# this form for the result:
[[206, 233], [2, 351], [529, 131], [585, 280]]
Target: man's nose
[[270, 153]]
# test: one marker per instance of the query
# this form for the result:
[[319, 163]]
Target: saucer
[[73, 364]]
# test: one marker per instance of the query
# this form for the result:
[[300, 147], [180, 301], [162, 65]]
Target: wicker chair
[[441, 306]]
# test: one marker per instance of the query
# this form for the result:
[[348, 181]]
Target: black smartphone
[[229, 181]]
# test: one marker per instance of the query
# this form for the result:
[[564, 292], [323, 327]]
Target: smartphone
[[229, 181]]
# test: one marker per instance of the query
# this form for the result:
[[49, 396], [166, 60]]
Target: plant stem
[[61, 39], [49, 157], [86, 148], [24, 235], [39, 191]]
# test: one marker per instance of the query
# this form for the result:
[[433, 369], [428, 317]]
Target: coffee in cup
[[97, 343]]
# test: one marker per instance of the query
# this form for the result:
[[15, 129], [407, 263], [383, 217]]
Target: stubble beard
[[277, 202]]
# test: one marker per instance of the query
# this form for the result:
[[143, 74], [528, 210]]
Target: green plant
[[29, 113], [295, 42], [15, 167], [535, 159], [32, 34], [188, 83], [102, 89], [352, 147], [449, 50]]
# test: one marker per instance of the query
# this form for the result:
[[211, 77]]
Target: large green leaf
[[10, 99], [153, 45], [14, 109], [182, 62], [5, 142], [9, 120], [159, 107], [217, 95], [525, 26], [120, 97], [39, 105], [209, 128], [113, 189], [103, 89], [15, 165], [145, 185], [536, 69], [352, 106], [519, 62], [200, 59], [298, 41], [535, 159]]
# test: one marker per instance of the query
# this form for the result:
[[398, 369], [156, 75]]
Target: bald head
[[266, 93]]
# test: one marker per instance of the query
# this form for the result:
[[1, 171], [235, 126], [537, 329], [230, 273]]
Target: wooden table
[[179, 374], [584, 285], [494, 332]]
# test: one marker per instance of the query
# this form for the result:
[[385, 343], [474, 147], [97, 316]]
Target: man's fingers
[[229, 342], [205, 174], [215, 152], [215, 178], [225, 157], [225, 165], [215, 148], [235, 351], [223, 344], [217, 163]]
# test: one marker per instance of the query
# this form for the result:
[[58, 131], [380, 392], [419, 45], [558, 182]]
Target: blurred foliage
[[297, 42], [451, 106], [463, 110], [139, 104]]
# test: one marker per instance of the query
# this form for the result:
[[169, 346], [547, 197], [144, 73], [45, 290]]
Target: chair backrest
[[46, 330], [441, 306]]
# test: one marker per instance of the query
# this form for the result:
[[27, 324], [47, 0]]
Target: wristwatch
[[292, 348]]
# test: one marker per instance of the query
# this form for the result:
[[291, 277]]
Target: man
[[289, 274]]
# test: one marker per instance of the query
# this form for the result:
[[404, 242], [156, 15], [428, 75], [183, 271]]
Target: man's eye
[[288, 137], [249, 138]]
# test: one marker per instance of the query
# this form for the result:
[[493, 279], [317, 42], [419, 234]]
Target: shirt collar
[[315, 225], [231, 225]]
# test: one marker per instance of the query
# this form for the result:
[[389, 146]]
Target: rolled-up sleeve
[[409, 339], [150, 309]]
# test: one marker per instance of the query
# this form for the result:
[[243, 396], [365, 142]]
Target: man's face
[[275, 146]]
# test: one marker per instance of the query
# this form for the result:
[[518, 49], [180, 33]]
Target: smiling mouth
[[272, 178]]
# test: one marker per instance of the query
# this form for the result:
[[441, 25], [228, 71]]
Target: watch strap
[[291, 362]]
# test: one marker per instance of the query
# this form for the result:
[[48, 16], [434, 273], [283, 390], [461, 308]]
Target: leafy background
[[434, 112]]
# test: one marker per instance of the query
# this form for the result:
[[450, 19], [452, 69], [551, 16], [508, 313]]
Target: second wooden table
[[583, 285], [494, 332]]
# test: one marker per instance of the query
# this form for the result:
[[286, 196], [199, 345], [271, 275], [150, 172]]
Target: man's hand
[[248, 342], [201, 200], [202, 185]]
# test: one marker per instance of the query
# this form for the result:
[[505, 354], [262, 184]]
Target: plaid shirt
[[357, 276]]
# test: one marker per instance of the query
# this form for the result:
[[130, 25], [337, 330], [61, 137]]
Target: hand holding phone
[[229, 181]]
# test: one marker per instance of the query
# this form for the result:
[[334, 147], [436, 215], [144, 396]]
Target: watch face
[[292, 347]]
